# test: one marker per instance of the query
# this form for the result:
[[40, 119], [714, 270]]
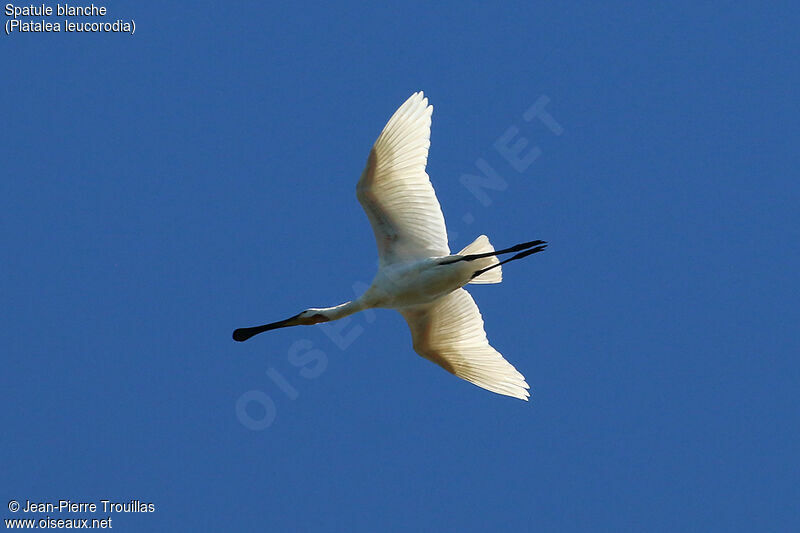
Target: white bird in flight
[[417, 274]]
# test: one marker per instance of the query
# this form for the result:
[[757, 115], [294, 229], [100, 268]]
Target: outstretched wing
[[450, 333], [395, 190]]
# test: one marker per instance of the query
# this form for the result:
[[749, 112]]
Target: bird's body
[[417, 275], [400, 285]]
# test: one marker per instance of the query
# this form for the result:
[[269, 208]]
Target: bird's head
[[308, 317]]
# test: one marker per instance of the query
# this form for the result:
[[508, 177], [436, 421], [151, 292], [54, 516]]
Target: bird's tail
[[482, 245]]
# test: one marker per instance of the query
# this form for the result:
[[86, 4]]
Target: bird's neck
[[342, 310]]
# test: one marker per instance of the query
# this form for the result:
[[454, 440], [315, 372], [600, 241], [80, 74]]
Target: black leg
[[520, 255], [515, 248]]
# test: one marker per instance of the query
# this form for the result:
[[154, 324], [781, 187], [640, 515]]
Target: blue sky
[[161, 189]]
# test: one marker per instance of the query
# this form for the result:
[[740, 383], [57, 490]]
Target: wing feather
[[450, 333], [396, 192]]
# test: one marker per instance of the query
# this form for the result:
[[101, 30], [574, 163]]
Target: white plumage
[[395, 190], [417, 274]]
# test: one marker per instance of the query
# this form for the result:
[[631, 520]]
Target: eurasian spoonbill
[[417, 274]]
